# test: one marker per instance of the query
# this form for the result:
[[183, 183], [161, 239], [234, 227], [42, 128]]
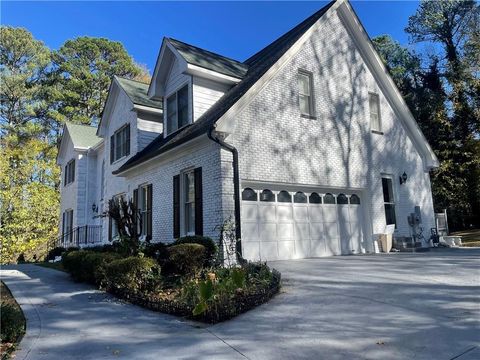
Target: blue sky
[[234, 29]]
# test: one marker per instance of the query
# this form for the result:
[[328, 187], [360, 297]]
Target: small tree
[[128, 221]]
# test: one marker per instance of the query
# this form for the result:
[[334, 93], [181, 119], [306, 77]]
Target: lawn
[[12, 322], [469, 237], [56, 265]]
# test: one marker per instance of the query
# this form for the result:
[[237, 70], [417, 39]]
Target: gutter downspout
[[236, 189]]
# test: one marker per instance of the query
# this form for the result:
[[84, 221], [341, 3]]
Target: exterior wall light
[[403, 178], [94, 208]]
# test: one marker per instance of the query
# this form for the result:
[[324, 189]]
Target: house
[[303, 144]]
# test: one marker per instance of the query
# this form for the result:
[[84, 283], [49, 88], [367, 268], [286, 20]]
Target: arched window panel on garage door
[[267, 195], [300, 198], [284, 196], [329, 199], [249, 195], [315, 198], [342, 199], [354, 199]]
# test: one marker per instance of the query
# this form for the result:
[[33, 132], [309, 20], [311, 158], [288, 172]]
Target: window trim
[[183, 203], [114, 136], [113, 224], [394, 197], [311, 96], [189, 108], [69, 175], [379, 114], [140, 205]]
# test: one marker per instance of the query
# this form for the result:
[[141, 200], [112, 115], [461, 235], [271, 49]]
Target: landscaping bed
[[184, 278], [12, 325]]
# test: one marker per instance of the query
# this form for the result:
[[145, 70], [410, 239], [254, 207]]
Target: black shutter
[[135, 204], [109, 228], [73, 171], [198, 202], [127, 129], [176, 206], [149, 212], [63, 225], [66, 175], [112, 147]]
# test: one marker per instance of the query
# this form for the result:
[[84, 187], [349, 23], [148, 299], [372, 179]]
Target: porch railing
[[79, 236]]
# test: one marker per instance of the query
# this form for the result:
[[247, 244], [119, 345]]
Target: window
[[145, 209], [329, 199], [284, 196], [389, 201], [305, 93], [342, 199], [300, 198], [189, 202], [113, 224], [120, 143], [374, 105], [315, 198], [177, 110], [68, 225], [267, 195], [70, 172], [249, 195], [354, 200]]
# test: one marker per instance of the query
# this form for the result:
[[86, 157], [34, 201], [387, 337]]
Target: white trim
[[210, 74], [147, 109], [189, 86]]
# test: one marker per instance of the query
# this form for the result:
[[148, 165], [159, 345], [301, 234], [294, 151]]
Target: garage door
[[286, 224]]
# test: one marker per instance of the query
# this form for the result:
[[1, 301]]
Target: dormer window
[[177, 110], [120, 143]]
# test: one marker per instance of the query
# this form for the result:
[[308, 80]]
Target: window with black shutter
[[120, 143], [69, 172]]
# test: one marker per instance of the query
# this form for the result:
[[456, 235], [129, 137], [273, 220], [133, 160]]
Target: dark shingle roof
[[209, 60], [83, 136], [258, 66], [137, 92]]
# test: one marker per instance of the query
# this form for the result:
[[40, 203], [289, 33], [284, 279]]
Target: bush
[[87, 265], [186, 259], [157, 251], [52, 254], [211, 248], [12, 323], [132, 275]]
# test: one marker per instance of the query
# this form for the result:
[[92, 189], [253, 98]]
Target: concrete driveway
[[398, 306]]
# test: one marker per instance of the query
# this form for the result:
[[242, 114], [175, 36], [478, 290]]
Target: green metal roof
[[137, 92], [83, 136], [209, 60]]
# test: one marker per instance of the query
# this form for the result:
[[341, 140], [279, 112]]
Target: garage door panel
[[301, 231], [284, 213], [300, 213], [331, 229], [269, 250], [250, 231], [330, 213], [251, 250], [315, 213], [267, 213], [317, 231], [286, 250], [285, 231], [267, 231], [343, 213], [302, 249], [249, 211]]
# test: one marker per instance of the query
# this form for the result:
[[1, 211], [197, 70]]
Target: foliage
[[12, 322], [87, 266], [186, 259], [157, 251], [211, 248], [132, 275], [52, 254]]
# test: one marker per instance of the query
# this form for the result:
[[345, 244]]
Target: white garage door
[[281, 224]]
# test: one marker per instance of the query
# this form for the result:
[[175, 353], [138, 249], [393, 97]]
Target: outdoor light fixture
[[403, 178], [94, 208]]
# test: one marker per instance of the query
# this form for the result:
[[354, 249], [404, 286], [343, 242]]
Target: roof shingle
[[137, 92], [83, 136]]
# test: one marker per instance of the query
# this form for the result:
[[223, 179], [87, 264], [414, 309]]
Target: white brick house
[[303, 144]]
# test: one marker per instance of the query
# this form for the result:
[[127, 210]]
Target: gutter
[[236, 189]]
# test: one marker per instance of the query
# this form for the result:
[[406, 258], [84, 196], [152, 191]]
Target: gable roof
[[209, 60], [83, 136], [258, 65], [137, 92]]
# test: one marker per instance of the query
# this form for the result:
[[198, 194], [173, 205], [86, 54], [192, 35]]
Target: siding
[[205, 94]]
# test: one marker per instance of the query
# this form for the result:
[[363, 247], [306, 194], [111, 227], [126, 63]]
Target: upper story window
[[177, 110], [374, 106], [305, 93], [69, 172], [120, 143]]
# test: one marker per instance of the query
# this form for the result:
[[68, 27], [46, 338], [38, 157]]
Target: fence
[[79, 236]]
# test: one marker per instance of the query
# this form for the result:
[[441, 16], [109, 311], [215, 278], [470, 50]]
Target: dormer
[[190, 80]]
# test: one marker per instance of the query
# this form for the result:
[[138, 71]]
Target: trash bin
[[385, 241]]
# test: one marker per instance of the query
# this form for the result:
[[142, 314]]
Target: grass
[[13, 320], [56, 265], [470, 238]]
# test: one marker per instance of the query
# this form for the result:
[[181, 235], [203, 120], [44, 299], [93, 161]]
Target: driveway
[[397, 306]]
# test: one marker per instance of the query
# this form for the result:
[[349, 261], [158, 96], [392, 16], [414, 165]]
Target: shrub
[[157, 251], [87, 265], [211, 248], [12, 323], [132, 275], [186, 259], [52, 254]]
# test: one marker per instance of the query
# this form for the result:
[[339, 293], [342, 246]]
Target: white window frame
[[311, 95], [189, 104], [68, 217], [123, 146], [183, 203], [142, 207], [373, 127], [69, 177]]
